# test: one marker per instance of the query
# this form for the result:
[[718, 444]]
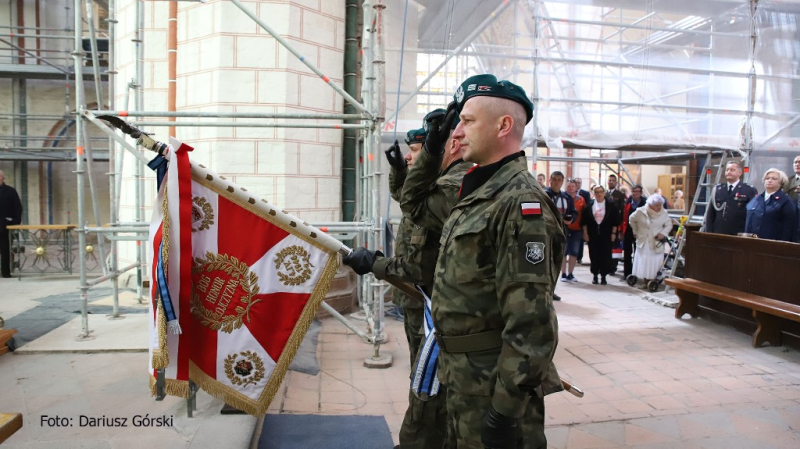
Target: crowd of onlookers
[[620, 224]]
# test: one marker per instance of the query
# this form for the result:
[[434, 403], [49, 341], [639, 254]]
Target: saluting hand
[[439, 130], [395, 157]]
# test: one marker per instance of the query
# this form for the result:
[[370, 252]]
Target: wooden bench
[[766, 311], [9, 423], [5, 335]]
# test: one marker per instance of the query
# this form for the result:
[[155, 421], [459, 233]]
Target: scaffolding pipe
[[113, 215], [467, 41], [112, 275], [77, 55], [139, 165], [98, 91], [302, 59], [188, 114], [252, 125], [93, 191]]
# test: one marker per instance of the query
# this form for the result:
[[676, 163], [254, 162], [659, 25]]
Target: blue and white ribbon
[[425, 383]]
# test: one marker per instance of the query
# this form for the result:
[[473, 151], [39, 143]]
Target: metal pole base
[[380, 361], [115, 317], [82, 337]]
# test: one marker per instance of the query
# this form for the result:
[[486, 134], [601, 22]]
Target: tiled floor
[[651, 381]]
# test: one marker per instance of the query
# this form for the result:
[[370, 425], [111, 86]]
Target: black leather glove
[[361, 260], [498, 431], [395, 157], [439, 130]]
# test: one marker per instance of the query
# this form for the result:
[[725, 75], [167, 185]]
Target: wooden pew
[[9, 423], [742, 279]]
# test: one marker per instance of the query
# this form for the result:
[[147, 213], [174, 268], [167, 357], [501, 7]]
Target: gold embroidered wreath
[[251, 379], [248, 281], [298, 265]]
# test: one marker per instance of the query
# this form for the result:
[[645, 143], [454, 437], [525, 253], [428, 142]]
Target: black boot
[[603, 281], [594, 279]]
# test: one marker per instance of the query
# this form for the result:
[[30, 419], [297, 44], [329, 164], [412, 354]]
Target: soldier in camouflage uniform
[[501, 249], [425, 422]]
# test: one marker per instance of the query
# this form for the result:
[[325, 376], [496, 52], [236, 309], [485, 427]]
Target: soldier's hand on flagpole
[[361, 260], [439, 130], [395, 157], [498, 431]]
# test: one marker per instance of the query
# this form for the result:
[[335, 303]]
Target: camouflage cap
[[487, 85], [415, 136], [432, 115]]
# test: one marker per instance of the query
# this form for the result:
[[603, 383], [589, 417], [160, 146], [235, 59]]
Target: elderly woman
[[651, 225], [772, 215], [679, 203], [599, 221]]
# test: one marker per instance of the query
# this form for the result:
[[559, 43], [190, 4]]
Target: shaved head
[[498, 107]]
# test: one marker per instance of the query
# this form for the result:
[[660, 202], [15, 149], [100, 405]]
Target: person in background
[[599, 221], [583, 193], [574, 234], [636, 201], [614, 193], [563, 203], [660, 192], [727, 209], [651, 225], [10, 214], [542, 180], [792, 187], [625, 190], [679, 203], [586, 198], [772, 215]]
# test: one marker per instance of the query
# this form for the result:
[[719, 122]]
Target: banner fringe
[[173, 387], [161, 355]]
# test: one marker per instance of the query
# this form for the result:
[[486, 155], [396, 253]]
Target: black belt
[[481, 341]]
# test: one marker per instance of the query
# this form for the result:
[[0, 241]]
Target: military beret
[[430, 116], [415, 136], [487, 85]]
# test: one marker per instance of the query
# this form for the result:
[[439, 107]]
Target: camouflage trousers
[[425, 423], [412, 321], [465, 413]]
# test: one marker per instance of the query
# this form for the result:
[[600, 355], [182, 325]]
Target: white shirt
[[733, 186], [599, 211]]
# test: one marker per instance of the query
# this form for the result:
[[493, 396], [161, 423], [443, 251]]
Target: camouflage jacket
[[428, 197], [414, 260], [497, 270]]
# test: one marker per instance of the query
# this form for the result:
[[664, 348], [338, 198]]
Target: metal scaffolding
[[537, 48]]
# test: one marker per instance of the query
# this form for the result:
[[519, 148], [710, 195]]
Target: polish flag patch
[[531, 209]]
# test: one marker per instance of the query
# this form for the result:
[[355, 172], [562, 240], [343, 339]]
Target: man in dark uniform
[[793, 186], [727, 207], [501, 249], [616, 195], [425, 422], [565, 205], [10, 214]]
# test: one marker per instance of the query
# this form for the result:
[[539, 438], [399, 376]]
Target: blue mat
[[325, 431]]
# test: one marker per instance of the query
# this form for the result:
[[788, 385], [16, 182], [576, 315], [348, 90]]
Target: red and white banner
[[257, 277]]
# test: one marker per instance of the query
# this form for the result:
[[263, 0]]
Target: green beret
[[432, 115], [415, 136], [488, 85]]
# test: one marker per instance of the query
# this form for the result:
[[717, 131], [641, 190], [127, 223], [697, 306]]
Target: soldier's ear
[[505, 125]]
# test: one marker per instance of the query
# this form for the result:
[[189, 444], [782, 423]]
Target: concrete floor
[[651, 381]]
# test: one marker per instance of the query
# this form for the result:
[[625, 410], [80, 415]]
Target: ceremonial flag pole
[[237, 281]]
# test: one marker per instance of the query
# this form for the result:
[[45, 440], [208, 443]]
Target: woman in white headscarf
[[651, 225]]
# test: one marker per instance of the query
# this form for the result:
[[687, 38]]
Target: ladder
[[708, 184]]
